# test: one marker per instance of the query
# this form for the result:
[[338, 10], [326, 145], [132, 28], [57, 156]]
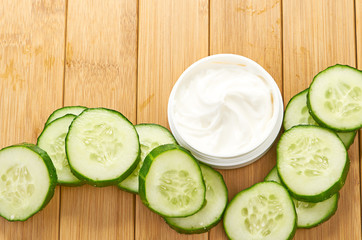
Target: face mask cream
[[226, 109]]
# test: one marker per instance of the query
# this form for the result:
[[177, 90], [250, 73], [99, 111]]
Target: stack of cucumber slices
[[101, 147], [312, 162]]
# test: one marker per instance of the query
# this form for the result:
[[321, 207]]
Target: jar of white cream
[[226, 109]]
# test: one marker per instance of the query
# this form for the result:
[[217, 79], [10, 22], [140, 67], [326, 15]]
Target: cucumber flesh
[[297, 113], [74, 110], [312, 162], [102, 147], [150, 136], [263, 211], [210, 215], [335, 98], [52, 140], [27, 181], [309, 214], [313, 214], [171, 183]]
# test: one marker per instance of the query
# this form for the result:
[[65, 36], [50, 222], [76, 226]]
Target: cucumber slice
[[312, 162], [309, 214], [210, 215], [52, 140], [75, 110], [171, 183], [27, 181], [347, 138], [296, 113], [263, 211], [313, 214], [150, 136], [273, 176], [102, 147], [335, 98]]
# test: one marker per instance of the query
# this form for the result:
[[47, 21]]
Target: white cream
[[223, 110]]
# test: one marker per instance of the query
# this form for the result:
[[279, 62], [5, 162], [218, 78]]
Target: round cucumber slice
[[297, 113], [314, 214], [102, 147], [312, 162], [210, 215], [150, 136], [171, 183], [52, 140], [309, 214], [74, 110], [335, 98], [27, 181], [263, 211]]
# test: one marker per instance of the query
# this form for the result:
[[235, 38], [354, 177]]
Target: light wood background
[[126, 55]]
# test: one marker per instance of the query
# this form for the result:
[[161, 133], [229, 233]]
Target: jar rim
[[261, 146]]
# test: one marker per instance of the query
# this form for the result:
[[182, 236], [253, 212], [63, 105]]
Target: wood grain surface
[[311, 44], [31, 80], [100, 71], [172, 35], [127, 55], [252, 29], [358, 26]]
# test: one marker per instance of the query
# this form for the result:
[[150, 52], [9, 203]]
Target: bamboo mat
[[126, 55]]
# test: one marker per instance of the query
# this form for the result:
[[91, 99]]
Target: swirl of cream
[[223, 111]]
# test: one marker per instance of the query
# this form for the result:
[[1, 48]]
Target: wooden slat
[[172, 35], [252, 29], [101, 70], [317, 34], [358, 26], [31, 74]]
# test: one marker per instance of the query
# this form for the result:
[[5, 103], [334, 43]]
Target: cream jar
[[226, 110]]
